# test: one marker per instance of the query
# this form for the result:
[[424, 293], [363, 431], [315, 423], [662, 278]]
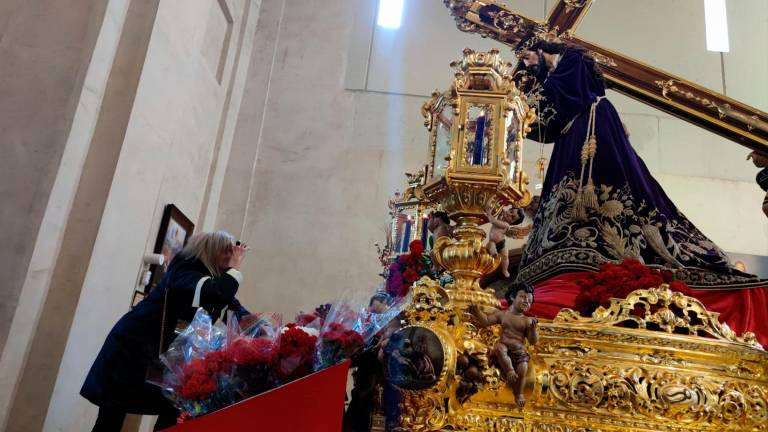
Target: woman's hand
[[238, 253]]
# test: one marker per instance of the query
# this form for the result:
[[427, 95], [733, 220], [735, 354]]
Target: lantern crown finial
[[484, 71]]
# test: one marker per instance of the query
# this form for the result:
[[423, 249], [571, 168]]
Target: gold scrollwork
[[509, 22], [669, 311], [422, 412], [674, 87], [570, 5], [478, 70], [603, 59], [653, 394]]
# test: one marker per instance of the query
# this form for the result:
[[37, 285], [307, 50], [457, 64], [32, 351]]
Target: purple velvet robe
[[633, 217]]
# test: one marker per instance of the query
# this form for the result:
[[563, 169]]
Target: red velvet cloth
[[742, 309]]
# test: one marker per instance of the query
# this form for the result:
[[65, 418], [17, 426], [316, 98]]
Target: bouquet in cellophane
[[349, 327], [198, 377], [251, 347], [208, 367]]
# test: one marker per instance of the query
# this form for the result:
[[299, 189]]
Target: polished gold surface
[[655, 361]]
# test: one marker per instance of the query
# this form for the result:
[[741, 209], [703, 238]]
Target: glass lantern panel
[[479, 128], [512, 130], [443, 124]]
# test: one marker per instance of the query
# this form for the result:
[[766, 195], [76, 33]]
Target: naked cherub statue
[[497, 236], [510, 350]]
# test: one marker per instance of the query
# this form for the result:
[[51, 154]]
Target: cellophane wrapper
[[252, 349], [199, 373], [350, 326]]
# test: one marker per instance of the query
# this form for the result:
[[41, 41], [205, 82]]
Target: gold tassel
[[579, 212], [590, 197], [586, 197]]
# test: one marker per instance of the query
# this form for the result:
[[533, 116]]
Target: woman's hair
[[207, 247]]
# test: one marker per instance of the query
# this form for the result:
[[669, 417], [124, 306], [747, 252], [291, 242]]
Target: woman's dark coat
[[117, 377]]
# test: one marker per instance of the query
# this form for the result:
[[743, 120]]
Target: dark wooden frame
[[138, 296], [170, 212]]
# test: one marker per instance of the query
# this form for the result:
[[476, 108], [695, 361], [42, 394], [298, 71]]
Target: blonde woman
[[206, 273]]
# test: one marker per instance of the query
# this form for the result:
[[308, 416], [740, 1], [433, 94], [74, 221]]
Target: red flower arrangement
[[253, 359], [201, 375], [252, 364], [618, 281], [246, 351], [295, 353], [338, 343], [407, 269]]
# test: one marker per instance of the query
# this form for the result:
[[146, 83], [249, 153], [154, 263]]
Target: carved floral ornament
[[652, 394], [663, 309]]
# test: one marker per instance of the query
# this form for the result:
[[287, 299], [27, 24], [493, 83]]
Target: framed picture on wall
[[138, 296], [175, 230]]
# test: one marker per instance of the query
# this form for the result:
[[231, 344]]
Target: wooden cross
[[681, 98]]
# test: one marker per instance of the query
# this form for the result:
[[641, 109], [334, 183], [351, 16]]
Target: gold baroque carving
[[570, 5], [687, 314], [654, 394], [603, 59], [725, 110]]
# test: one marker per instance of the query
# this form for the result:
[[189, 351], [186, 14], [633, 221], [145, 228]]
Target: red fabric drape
[[313, 403], [743, 309]]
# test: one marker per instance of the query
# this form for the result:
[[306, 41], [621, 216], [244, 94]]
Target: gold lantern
[[475, 163], [408, 218]]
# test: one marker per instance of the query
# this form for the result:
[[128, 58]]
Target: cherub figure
[[439, 225], [497, 236], [510, 350]]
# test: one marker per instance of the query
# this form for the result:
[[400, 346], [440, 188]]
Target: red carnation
[[249, 351], [410, 276], [618, 281], [680, 286], [295, 351], [339, 342], [416, 247], [667, 276]]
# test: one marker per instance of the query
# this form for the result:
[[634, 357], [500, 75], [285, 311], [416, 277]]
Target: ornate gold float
[[655, 361]]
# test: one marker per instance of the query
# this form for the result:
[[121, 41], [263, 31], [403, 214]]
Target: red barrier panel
[[313, 403]]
